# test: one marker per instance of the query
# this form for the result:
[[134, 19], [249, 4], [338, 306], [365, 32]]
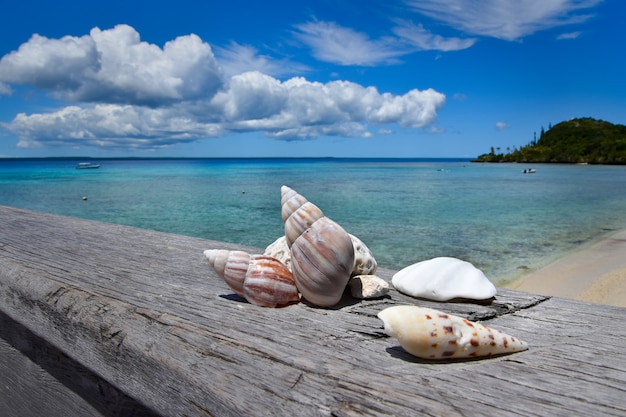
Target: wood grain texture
[[144, 312]]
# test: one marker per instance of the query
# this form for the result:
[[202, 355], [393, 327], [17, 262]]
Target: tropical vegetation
[[580, 140]]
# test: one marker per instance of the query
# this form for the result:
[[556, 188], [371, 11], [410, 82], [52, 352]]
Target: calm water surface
[[503, 221]]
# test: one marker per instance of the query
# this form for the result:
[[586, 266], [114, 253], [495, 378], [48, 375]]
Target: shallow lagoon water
[[492, 215]]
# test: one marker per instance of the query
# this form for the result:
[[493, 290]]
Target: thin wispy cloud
[[424, 40], [5, 89], [237, 59], [504, 19], [130, 94], [459, 96], [502, 125], [566, 36], [331, 42], [385, 132]]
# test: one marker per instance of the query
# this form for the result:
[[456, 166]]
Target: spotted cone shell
[[432, 334]]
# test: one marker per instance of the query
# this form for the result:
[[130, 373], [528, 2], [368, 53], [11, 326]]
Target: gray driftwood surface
[[101, 319]]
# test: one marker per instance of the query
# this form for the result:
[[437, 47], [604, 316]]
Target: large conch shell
[[432, 334], [322, 255], [260, 279], [364, 262]]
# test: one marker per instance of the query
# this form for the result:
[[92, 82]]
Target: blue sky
[[343, 78]]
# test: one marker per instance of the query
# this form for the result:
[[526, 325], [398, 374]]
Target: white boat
[[529, 171], [87, 165]]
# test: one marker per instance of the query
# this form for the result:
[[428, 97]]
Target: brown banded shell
[[231, 266], [262, 280]]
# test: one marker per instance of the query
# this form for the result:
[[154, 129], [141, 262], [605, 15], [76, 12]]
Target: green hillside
[[583, 140]]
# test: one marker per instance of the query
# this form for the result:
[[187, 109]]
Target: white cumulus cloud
[[129, 94], [115, 66], [504, 19], [113, 126]]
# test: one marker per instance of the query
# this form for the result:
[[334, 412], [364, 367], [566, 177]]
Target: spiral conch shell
[[432, 334], [322, 255], [260, 279]]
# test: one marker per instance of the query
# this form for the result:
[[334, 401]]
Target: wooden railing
[[102, 319]]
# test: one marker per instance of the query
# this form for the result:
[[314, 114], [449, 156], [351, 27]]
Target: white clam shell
[[432, 334], [443, 279], [262, 280]]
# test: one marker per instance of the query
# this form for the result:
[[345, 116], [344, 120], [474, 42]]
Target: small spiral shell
[[322, 254], [262, 280]]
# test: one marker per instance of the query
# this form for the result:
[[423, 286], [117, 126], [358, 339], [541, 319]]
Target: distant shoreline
[[476, 161]]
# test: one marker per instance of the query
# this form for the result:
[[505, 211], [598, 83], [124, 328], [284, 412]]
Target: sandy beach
[[596, 274]]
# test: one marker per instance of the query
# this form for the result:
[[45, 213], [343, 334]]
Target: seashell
[[322, 255], [364, 262], [432, 334], [260, 279], [443, 279], [298, 213], [368, 286], [279, 250]]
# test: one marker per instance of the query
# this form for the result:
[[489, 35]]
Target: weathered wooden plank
[[40, 380], [28, 390], [144, 312]]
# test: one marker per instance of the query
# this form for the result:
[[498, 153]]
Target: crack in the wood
[[374, 334], [150, 318], [200, 408], [116, 337], [514, 361], [509, 308], [55, 295], [297, 380], [118, 346]]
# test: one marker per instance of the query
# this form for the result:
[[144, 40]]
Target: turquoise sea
[[406, 210]]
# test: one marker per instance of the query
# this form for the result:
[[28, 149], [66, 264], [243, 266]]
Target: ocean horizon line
[[257, 158]]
